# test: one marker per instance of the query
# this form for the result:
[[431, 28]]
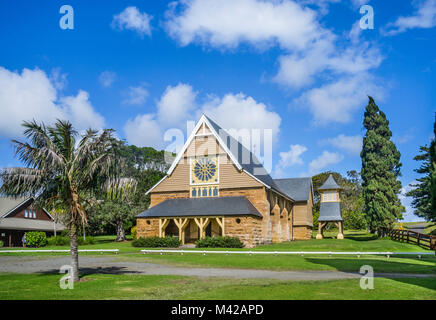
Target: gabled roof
[[298, 189], [190, 207], [330, 183], [242, 158], [8, 205]]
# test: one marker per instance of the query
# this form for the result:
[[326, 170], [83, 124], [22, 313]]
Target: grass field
[[99, 286]]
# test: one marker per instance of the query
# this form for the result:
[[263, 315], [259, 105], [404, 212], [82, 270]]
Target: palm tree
[[65, 175]]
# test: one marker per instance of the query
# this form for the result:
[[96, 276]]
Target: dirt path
[[111, 266]]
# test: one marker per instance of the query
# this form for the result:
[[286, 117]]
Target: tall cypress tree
[[380, 171]]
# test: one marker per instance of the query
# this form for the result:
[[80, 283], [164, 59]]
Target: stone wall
[[302, 232], [247, 229], [147, 227], [258, 198]]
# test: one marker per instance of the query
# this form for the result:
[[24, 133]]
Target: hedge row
[[156, 242], [219, 242], [65, 241], [35, 239]]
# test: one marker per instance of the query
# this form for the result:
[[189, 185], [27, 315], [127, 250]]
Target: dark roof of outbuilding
[[296, 188], [330, 211], [219, 206], [330, 183]]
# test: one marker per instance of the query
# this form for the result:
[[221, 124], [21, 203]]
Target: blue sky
[[301, 68]]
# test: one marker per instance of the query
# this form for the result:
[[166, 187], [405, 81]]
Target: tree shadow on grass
[[385, 268], [97, 270]]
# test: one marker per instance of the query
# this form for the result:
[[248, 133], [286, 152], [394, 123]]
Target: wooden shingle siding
[[201, 146], [231, 177]]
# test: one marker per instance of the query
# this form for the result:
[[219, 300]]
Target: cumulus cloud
[[144, 131], [309, 51], [351, 144], [176, 103], [324, 160], [32, 95], [424, 17], [136, 96], [238, 111], [227, 23], [132, 19], [107, 78], [289, 158], [179, 103], [336, 101]]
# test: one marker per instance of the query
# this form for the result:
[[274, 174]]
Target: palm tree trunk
[[121, 236], [74, 254]]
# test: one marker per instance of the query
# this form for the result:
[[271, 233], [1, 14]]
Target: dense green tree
[[380, 171], [422, 190], [433, 169], [116, 215], [63, 174]]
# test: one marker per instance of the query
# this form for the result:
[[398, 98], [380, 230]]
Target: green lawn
[[99, 286]]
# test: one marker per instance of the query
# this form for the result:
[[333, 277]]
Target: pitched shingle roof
[[245, 157], [220, 206], [29, 224], [296, 188], [7, 204], [330, 183], [330, 211]]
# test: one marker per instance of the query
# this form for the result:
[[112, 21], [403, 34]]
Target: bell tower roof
[[330, 184]]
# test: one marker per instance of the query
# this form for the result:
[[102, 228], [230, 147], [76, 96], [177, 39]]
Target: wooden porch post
[[163, 223], [181, 224], [220, 222], [201, 223], [320, 227]]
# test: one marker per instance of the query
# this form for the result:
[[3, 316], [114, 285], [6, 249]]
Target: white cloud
[[324, 160], [58, 79], [136, 96], [424, 17], [226, 23], [176, 103], [31, 95], [144, 131], [289, 159], [336, 101], [132, 19], [238, 111], [179, 104], [80, 112], [351, 144], [359, 3], [107, 78]]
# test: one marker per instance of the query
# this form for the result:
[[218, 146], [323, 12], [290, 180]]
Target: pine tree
[[433, 172], [380, 171], [422, 190]]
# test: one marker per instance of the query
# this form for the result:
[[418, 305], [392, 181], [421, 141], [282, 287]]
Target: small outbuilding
[[330, 208], [18, 215]]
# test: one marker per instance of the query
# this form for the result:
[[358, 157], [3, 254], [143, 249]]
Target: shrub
[[86, 241], [219, 242], [65, 241], [58, 241], [1, 243], [156, 242], [133, 232], [35, 239]]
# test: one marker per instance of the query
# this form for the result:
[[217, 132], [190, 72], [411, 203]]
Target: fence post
[[432, 243], [407, 236], [419, 235]]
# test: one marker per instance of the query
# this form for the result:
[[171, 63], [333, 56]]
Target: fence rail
[[302, 253], [54, 251], [420, 239]]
